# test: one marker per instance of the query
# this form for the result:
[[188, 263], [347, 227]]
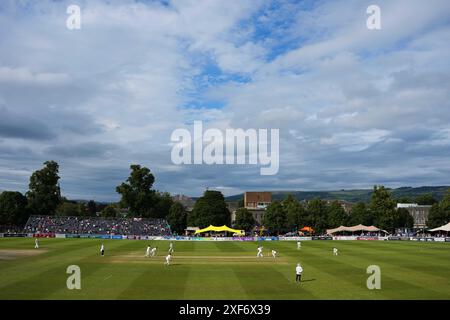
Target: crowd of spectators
[[96, 225]]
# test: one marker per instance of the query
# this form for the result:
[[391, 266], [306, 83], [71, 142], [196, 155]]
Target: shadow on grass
[[308, 280]]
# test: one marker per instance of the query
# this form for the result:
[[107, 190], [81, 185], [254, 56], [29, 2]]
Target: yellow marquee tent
[[219, 229]]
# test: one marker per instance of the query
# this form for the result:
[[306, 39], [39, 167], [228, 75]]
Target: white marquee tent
[[357, 228], [442, 228]]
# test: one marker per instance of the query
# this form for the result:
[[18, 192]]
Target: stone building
[[418, 212]]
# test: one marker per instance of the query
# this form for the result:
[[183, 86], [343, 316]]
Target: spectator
[[94, 225]]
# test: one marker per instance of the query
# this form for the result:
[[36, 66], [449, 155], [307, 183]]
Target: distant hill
[[357, 195]]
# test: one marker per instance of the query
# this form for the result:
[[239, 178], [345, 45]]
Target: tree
[[439, 212], [336, 215], [275, 218], [136, 191], [69, 208], [403, 219], [436, 217], [445, 203], [425, 199], [360, 214], [244, 220], [210, 209], [403, 200], [13, 208], [91, 208], [296, 215], [177, 218], [162, 204], [318, 215], [110, 211], [383, 207], [44, 194]]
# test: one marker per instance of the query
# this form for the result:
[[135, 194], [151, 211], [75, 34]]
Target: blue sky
[[355, 107]]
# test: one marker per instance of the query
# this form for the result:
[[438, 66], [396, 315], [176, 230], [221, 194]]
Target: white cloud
[[23, 76], [356, 141], [342, 96]]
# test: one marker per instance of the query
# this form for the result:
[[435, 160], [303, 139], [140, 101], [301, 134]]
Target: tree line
[[291, 215], [140, 199]]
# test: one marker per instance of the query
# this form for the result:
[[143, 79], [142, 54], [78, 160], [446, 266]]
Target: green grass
[[224, 270]]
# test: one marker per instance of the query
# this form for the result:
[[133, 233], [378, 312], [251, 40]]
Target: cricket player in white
[[36, 243], [274, 253], [335, 251], [260, 252], [299, 245], [102, 250], [147, 253], [153, 252], [168, 258], [171, 248], [298, 273]]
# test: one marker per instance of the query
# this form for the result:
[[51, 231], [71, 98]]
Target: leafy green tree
[[177, 218], [318, 215], [425, 199], [13, 208], [69, 208], [360, 214], [436, 217], [403, 219], [244, 220], [91, 208], [210, 209], [275, 218], [137, 193], [110, 211], [336, 215], [162, 204], [403, 200], [439, 212], [383, 207], [44, 194], [296, 214], [445, 202]]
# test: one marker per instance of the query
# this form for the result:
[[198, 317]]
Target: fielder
[[36, 243], [274, 253], [153, 252], [298, 273], [168, 259], [335, 251], [102, 250], [171, 248], [260, 252], [299, 245], [147, 253]]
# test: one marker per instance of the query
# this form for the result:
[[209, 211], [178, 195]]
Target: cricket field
[[223, 270]]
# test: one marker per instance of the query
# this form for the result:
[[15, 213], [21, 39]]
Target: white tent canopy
[[359, 227], [442, 228]]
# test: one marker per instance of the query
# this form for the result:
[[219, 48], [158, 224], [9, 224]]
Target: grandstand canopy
[[445, 227], [359, 227], [219, 229]]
